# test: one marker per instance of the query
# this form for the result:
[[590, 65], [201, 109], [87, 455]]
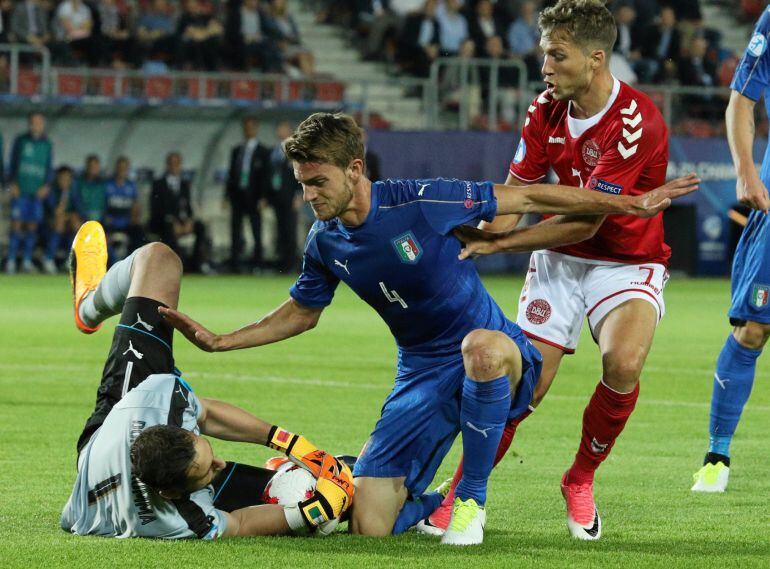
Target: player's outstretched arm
[[739, 118], [547, 198], [268, 519], [289, 319]]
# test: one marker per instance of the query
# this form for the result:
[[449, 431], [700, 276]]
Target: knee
[[161, 255], [363, 522], [622, 369], [484, 355], [752, 335]]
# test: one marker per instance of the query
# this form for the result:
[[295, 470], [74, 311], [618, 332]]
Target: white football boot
[[466, 527], [711, 478]]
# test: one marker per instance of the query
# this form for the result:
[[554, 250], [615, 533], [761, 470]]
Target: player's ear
[[598, 59], [356, 169]]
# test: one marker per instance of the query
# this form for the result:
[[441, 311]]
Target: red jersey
[[621, 150]]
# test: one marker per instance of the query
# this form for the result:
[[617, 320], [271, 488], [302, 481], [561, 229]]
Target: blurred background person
[[122, 217], [246, 190], [29, 174], [286, 199], [88, 198], [55, 215], [172, 216]]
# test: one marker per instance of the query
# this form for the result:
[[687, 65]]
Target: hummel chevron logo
[[626, 152], [139, 320], [542, 99], [475, 428], [422, 189], [630, 110], [721, 382], [632, 136], [634, 122], [345, 266], [532, 108], [133, 351]]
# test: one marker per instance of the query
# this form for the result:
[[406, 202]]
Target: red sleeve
[[633, 149], [530, 163]]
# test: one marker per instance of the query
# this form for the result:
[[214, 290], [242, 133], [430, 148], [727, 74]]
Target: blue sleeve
[[752, 76], [447, 204], [315, 286]]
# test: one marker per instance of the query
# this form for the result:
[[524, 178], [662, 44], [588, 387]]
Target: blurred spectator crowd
[[658, 40], [156, 35], [48, 204]]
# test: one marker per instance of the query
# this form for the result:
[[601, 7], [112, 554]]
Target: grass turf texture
[[329, 385]]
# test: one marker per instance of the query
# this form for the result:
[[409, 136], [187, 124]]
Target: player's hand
[[14, 189], [476, 241], [192, 330], [333, 493], [752, 192], [299, 450], [652, 203]]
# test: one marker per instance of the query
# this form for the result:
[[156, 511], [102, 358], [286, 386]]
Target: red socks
[[603, 421]]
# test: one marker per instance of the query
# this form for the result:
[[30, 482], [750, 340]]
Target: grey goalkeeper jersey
[[107, 500]]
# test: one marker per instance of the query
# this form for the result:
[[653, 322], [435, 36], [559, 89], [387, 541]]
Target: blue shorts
[[751, 273], [421, 416], [27, 209]]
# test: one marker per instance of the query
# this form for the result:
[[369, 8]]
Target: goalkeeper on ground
[[144, 470]]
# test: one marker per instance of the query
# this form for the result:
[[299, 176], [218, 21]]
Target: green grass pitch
[[329, 385]]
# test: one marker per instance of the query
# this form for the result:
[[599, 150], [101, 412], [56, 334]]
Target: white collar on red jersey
[[577, 127]]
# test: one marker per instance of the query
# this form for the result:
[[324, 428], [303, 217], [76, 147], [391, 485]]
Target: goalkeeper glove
[[333, 493], [299, 450]]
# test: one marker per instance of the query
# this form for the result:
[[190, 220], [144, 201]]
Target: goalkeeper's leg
[[153, 271]]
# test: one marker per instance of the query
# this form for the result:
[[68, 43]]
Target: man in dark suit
[[248, 186], [172, 216], [419, 40], [286, 198]]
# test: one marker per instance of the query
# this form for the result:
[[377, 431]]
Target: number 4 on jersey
[[393, 296]]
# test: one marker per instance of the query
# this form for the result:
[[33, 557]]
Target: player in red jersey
[[598, 133]]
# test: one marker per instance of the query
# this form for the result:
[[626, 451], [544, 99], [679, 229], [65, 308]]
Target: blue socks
[[483, 413], [29, 245], [13, 246], [732, 386], [53, 244], [416, 509]]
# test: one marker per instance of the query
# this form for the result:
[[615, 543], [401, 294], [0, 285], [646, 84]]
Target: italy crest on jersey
[[760, 295], [407, 247]]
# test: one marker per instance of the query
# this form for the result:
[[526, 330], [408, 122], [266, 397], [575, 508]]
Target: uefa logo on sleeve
[[757, 45]]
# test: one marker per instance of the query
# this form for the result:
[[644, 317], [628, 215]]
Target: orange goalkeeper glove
[[333, 493]]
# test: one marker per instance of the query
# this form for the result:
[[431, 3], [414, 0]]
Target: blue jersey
[[752, 76], [751, 264], [120, 201], [403, 262]]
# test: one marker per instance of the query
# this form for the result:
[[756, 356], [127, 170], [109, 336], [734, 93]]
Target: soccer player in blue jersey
[[462, 365], [750, 310]]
